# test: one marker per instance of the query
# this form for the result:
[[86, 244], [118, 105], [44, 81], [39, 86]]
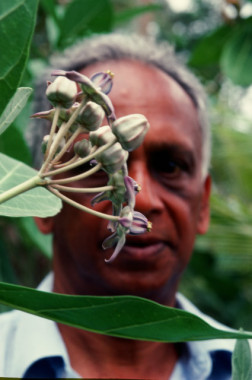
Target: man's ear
[[204, 214], [45, 225]]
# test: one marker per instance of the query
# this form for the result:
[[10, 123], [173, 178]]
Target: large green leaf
[[14, 107], [236, 60], [121, 316], [13, 144], [17, 20], [241, 361], [82, 17], [35, 202], [209, 48], [130, 13]]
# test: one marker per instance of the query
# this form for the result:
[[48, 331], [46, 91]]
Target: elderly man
[[172, 168]]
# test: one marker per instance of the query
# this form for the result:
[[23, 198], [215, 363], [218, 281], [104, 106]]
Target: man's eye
[[171, 168]]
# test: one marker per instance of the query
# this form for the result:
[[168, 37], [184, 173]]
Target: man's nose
[[148, 199]]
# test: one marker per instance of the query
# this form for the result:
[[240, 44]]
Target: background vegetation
[[214, 38]]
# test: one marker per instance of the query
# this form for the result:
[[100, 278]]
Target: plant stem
[[80, 162], [83, 208], [21, 188], [53, 129], [83, 189], [67, 145], [61, 133], [76, 177]]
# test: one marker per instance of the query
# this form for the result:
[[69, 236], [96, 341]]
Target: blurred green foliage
[[214, 40]]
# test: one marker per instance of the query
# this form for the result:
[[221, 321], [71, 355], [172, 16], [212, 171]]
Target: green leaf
[[209, 49], [128, 14], [35, 202], [14, 107], [82, 17], [121, 316], [13, 144], [236, 59], [17, 20], [242, 361]]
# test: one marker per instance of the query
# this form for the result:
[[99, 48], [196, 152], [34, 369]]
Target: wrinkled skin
[[174, 197]]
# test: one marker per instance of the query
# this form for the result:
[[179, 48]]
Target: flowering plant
[[105, 147]]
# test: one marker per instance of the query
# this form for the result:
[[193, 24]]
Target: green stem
[[69, 162], [61, 133], [67, 145], [53, 129], [79, 162], [83, 208], [21, 188], [76, 177], [83, 189]]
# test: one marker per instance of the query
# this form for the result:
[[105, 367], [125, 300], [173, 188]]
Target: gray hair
[[115, 47]]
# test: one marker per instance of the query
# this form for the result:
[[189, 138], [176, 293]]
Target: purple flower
[[103, 81], [89, 88], [130, 222]]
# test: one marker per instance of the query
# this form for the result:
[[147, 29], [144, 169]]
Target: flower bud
[[101, 136], [62, 92], [140, 224], [82, 148], [113, 158], [116, 195], [91, 116], [130, 130], [48, 115], [126, 218], [89, 88], [103, 81]]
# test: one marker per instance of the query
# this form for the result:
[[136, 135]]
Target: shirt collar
[[32, 335]]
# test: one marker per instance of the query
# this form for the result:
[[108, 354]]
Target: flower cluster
[[80, 105]]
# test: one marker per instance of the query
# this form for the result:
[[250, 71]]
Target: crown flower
[[102, 136], [82, 148], [80, 106], [89, 89], [130, 130], [62, 92], [113, 158], [130, 222], [103, 81], [91, 116]]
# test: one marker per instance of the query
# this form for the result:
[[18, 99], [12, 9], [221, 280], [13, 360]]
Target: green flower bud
[[113, 158], [101, 136], [82, 148], [130, 130], [91, 116], [62, 92]]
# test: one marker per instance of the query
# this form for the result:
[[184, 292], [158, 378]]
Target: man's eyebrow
[[165, 150], [170, 147]]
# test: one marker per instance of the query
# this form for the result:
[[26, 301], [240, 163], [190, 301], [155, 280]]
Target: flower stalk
[[104, 148]]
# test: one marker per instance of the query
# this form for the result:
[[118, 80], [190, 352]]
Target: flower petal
[[117, 250]]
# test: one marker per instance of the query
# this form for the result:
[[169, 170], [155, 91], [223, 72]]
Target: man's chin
[[139, 278]]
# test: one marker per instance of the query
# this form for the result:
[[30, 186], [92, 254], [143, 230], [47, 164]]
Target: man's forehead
[[137, 73], [141, 88]]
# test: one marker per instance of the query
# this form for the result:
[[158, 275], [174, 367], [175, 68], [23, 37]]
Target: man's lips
[[143, 249]]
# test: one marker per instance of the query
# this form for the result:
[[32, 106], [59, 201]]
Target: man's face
[[173, 197]]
